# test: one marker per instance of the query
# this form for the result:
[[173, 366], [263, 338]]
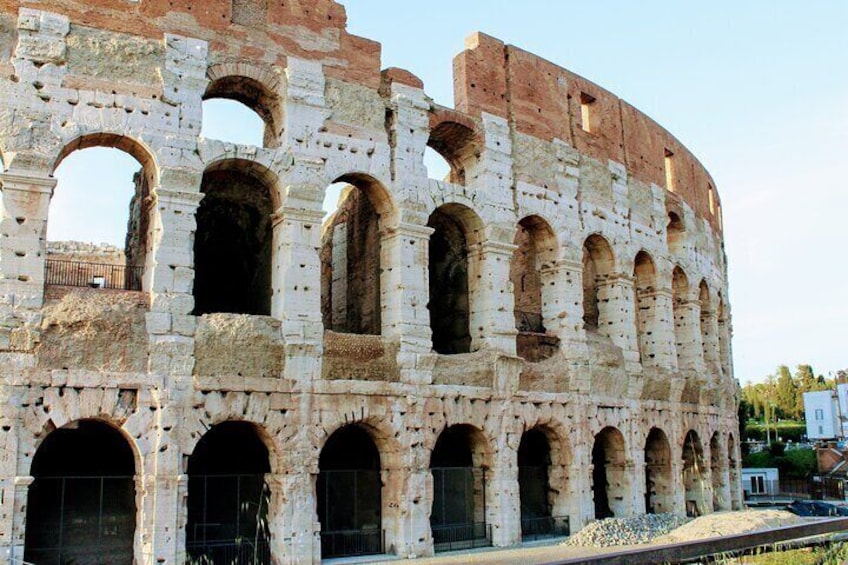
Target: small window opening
[[587, 112], [711, 193], [670, 179]]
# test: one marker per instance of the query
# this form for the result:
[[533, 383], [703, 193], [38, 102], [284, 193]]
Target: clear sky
[[758, 90]]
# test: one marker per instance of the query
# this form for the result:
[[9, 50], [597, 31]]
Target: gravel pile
[[626, 531], [731, 523]]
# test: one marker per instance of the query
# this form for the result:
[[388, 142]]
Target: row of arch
[[234, 259], [84, 499]]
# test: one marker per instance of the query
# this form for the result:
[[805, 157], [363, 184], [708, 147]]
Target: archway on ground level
[[228, 497], [695, 478], [659, 496], [610, 483], [529, 273], [456, 228], [735, 479], [458, 465], [598, 263], [100, 213], [350, 257], [535, 492], [647, 322], [718, 471], [81, 508], [258, 109], [234, 239], [350, 495]]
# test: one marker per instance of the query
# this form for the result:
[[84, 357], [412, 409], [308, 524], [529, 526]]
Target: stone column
[[658, 348], [561, 298], [503, 506], [492, 321], [296, 279], [617, 318], [23, 248], [19, 497], [690, 351], [679, 505]]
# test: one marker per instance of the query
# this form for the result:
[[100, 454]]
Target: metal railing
[[353, 543], [758, 490], [453, 537], [92, 275], [544, 527], [229, 552]]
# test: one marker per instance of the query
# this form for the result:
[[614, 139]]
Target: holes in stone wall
[[598, 262], [680, 297], [647, 323], [233, 242]]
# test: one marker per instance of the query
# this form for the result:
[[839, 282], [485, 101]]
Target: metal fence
[[544, 527], [93, 275], [759, 490], [454, 537], [255, 551], [353, 543]]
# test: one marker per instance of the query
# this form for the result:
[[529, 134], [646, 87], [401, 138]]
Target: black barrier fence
[[93, 275], [544, 527]]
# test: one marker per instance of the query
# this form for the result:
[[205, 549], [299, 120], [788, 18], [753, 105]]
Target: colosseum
[[537, 341]]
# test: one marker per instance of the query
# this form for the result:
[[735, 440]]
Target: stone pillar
[[710, 344], [492, 321], [20, 495], [658, 348], [617, 319], [23, 251], [687, 315], [296, 279], [404, 251], [725, 356], [679, 505], [503, 506], [561, 296], [639, 484]]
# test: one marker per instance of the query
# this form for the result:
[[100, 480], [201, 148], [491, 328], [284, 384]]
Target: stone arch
[[659, 483], [452, 256], [532, 276], [598, 265], [648, 326], [352, 292], [459, 141], [254, 86], [137, 244], [695, 476], [84, 476], [229, 497], [675, 234], [543, 465], [610, 477], [233, 244], [458, 465], [682, 329]]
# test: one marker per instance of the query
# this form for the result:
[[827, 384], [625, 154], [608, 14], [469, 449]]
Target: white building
[[825, 413], [759, 482]]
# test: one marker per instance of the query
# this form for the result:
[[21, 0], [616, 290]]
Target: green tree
[[786, 393]]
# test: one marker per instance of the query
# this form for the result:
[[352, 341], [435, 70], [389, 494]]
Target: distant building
[[760, 482], [825, 412]]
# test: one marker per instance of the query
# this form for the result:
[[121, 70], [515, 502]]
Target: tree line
[[781, 396]]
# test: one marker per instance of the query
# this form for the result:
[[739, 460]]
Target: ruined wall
[[434, 272]]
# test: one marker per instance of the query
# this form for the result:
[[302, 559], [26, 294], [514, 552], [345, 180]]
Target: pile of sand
[[728, 524]]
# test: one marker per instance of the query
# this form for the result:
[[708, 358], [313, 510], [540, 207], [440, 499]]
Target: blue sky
[[757, 90]]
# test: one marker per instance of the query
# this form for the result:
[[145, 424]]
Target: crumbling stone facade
[[557, 304]]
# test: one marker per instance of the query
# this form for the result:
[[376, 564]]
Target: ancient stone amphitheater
[[537, 341]]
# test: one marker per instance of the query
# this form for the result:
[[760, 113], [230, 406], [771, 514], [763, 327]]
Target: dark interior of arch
[[350, 266], [84, 487], [658, 496], [233, 245], [227, 495], [591, 310], [459, 488], [456, 143], [349, 493], [600, 483], [449, 300], [534, 461]]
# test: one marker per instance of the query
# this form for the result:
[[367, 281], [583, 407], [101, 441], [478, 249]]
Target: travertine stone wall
[[133, 75]]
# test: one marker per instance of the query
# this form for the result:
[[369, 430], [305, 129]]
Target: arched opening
[[350, 257], [437, 166], [81, 507], [534, 485], [718, 472], [675, 234], [350, 495], [659, 494], [456, 230], [598, 262], [694, 476], [707, 339], [97, 233], [228, 497], [530, 277], [680, 297], [234, 240], [458, 464], [647, 324], [609, 474], [457, 144], [239, 109], [733, 464]]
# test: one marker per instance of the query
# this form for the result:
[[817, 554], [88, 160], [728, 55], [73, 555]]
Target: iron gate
[[81, 520], [459, 502], [351, 513]]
